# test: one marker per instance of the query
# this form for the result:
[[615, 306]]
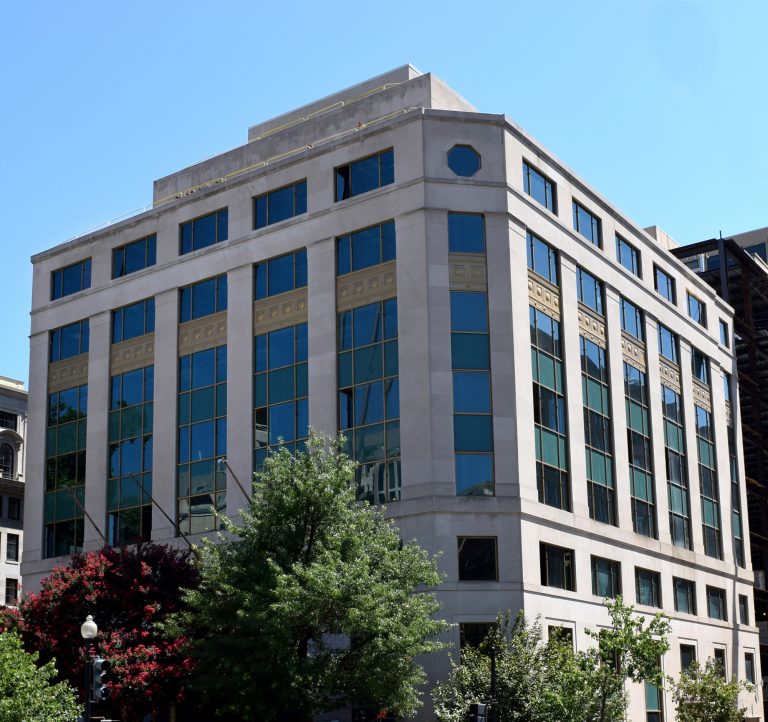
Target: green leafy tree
[[313, 602], [704, 694], [28, 693]]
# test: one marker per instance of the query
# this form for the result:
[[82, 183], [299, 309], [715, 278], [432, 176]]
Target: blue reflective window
[[697, 310], [628, 256], [699, 366], [632, 319], [134, 256], [366, 247], [204, 231], [365, 175], [203, 298], [134, 320], [667, 344], [68, 341], [280, 204], [539, 187], [472, 391], [589, 290], [542, 258], [665, 284], [466, 233], [71, 279], [587, 224], [474, 474], [469, 311], [280, 274], [464, 160]]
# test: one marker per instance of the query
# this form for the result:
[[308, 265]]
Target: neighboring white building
[[13, 428], [492, 334]]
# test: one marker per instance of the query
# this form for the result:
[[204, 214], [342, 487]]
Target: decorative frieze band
[[287, 309], [366, 286], [633, 351], [65, 374], [592, 328], [132, 355], [544, 296], [203, 333], [467, 272], [670, 376], [701, 395]]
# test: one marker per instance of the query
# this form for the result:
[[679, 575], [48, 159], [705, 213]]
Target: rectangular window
[[203, 298], [133, 321], [11, 592], [539, 187], [697, 310], [587, 224], [685, 595], [542, 258], [716, 608], [668, 346], [560, 634], [65, 471], [749, 667], [601, 482], [14, 508], [202, 439], [632, 320], [710, 496], [664, 284], [472, 634], [477, 559], [628, 256], [68, 341], [654, 703], [12, 548], [366, 174], [737, 527], [687, 656], [281, 274], [606, 577], [725, 337], [129, 481], [365, 248], [280, 204], [204, 231], [648, 587], [719, 655], [549, 416], [699, 366], [134, 256], [280, 391], [466, 233], [9, 421], [743, 609], [640, 454], [369, 397], [676, 468], [71, 279], [557, 567], [590, 291]]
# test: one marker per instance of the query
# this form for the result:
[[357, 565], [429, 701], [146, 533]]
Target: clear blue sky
[[659, 105]]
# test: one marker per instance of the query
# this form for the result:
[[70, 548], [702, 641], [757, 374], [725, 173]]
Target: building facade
[[13, 427], [512, 360]]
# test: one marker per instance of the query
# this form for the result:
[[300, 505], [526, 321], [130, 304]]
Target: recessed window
[[133, 321], [665, 284], [466, 233], [590, 290], [727, 386], [464, 160], [69, 341], [668, 344], [560, 634], [280, 204], [365, 248], [743, 609], [14, 508], [71, 279], [134, 256], [648, 587], [716, 608], [699, 366], [203, 298], [7, 466], [539, 187], [9, 421], [477, 559], [281, 274], [719, 656], [557, 567], [632, 320], [606, 577], [725, 337], [687, 656], [587, 224], [365, 175], [628, 256], [697, 310], [685, 595], [12, 548], [542, 258], [204, 231], [749, 667], [11, 592], [472, 634]]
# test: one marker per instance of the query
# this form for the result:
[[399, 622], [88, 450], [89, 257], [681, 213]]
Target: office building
[[531, 383]]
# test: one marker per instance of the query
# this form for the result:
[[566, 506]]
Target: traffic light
[[478, 712], [99, 672]]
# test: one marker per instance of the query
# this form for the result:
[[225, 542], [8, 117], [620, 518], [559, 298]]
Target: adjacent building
[[13, 427], [530, 382]]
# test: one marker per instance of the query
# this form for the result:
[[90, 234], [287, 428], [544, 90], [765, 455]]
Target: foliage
[[312, 602], [541, 682], [128, 591], [28, 692], [703, 694]]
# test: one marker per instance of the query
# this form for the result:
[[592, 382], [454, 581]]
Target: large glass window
[[280, 204], [365, 175], [685, 595], [606, 577], [632, 320], [69, 341], [71, 279], [466, 233], [204, 231], [557, 567], [134, 256], [281, 414], [65, 471], [280, 274], [477, 559], [725, 336], [654, 703], [665, 284], [697, 310], [203, 298], [749, 667], [628, 256], [12, 548], [369, 397], [539, 187], [737, 527], [365, 248], [550, 422], [668, 347], [743, 609], [648, 587], [699, 366], [601, 482], [639, 447], [710, 496], [716, 604], [542, 258], [202, 439], [590, 290], [134, 320], [587, 224], [129, 482], [676, 468]]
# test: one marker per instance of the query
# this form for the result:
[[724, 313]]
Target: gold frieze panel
[[287, 309], [68, 373], [701, 395], [670, 376], [592, 328], [203, 333], [133, 354], [633, 351], [467, 272], [544, 296], [366, 286]]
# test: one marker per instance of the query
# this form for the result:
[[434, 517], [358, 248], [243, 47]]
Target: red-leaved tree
[[129, 591]]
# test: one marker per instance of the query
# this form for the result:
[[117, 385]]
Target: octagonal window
[[464, 160]]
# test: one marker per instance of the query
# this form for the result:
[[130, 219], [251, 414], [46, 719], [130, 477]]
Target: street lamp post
[[88, 631]]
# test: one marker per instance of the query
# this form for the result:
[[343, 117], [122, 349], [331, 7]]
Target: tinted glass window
[[464, 160], [665, 285], [542, 258], [203, 298], [589, 290], [557, 567], [539, 187], [365, 248], [204, 231], [280, 204], [466, 233], [365, 175], [71, 279], [587, 224], [628, 256], [477, 559], [667, 344]]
